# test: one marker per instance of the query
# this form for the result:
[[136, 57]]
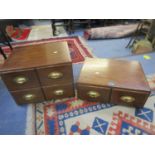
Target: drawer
[[34, 95], [129, 97], [53, 75], [93, 93], [59, 92], [20, 80]]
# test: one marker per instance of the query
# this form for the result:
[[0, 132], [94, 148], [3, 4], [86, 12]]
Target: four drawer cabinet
[[115, 81], [37, 73]]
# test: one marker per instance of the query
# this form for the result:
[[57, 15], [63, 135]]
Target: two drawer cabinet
[[115, 81], [39, 72]]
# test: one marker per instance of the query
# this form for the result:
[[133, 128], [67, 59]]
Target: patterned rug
[[73, 116], [78, 48], [18, 34]]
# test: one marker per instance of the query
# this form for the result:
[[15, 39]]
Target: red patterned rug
[[18, 34], [78, 49]]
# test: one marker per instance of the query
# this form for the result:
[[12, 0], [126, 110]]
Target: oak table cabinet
[[115, 81], [37, 73]]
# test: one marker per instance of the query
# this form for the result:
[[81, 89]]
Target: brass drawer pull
[[29, 97], [59, 92], [20, 80], [127, 99], [55, 75], [93, 94]]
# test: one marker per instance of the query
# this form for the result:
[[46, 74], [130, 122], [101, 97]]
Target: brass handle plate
[[127, 99], [29, 97], [55, 75], [59, 92], [20, 79], [93, 94]]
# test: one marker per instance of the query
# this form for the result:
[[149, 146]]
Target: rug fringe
[[30, 120]]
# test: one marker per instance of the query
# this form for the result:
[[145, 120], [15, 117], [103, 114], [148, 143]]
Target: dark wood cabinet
[[115, 81], [39, 72]]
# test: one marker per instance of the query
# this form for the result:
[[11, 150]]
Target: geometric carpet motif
[[51, 117], [73, 116], [76, 130], [144, 113], [125, 124], [100, 125], [78, 49]]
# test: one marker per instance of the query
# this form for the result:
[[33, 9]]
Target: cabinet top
[[113, 73], [34, 56]]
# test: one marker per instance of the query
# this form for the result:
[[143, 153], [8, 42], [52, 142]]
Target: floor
[[115, 48], [11, 123]]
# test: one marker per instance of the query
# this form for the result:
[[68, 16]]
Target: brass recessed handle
[[93, 94], [20, 79], [55, 75], [59, 92], [127, 99], [29, 97]]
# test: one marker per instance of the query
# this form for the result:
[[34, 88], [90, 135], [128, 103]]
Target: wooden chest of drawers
[[114, 81], [39, 72]]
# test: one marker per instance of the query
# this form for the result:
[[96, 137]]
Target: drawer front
[[93, 93], [128, 97], [59, 92], [20, 80], [53, 75], [34, 95]]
